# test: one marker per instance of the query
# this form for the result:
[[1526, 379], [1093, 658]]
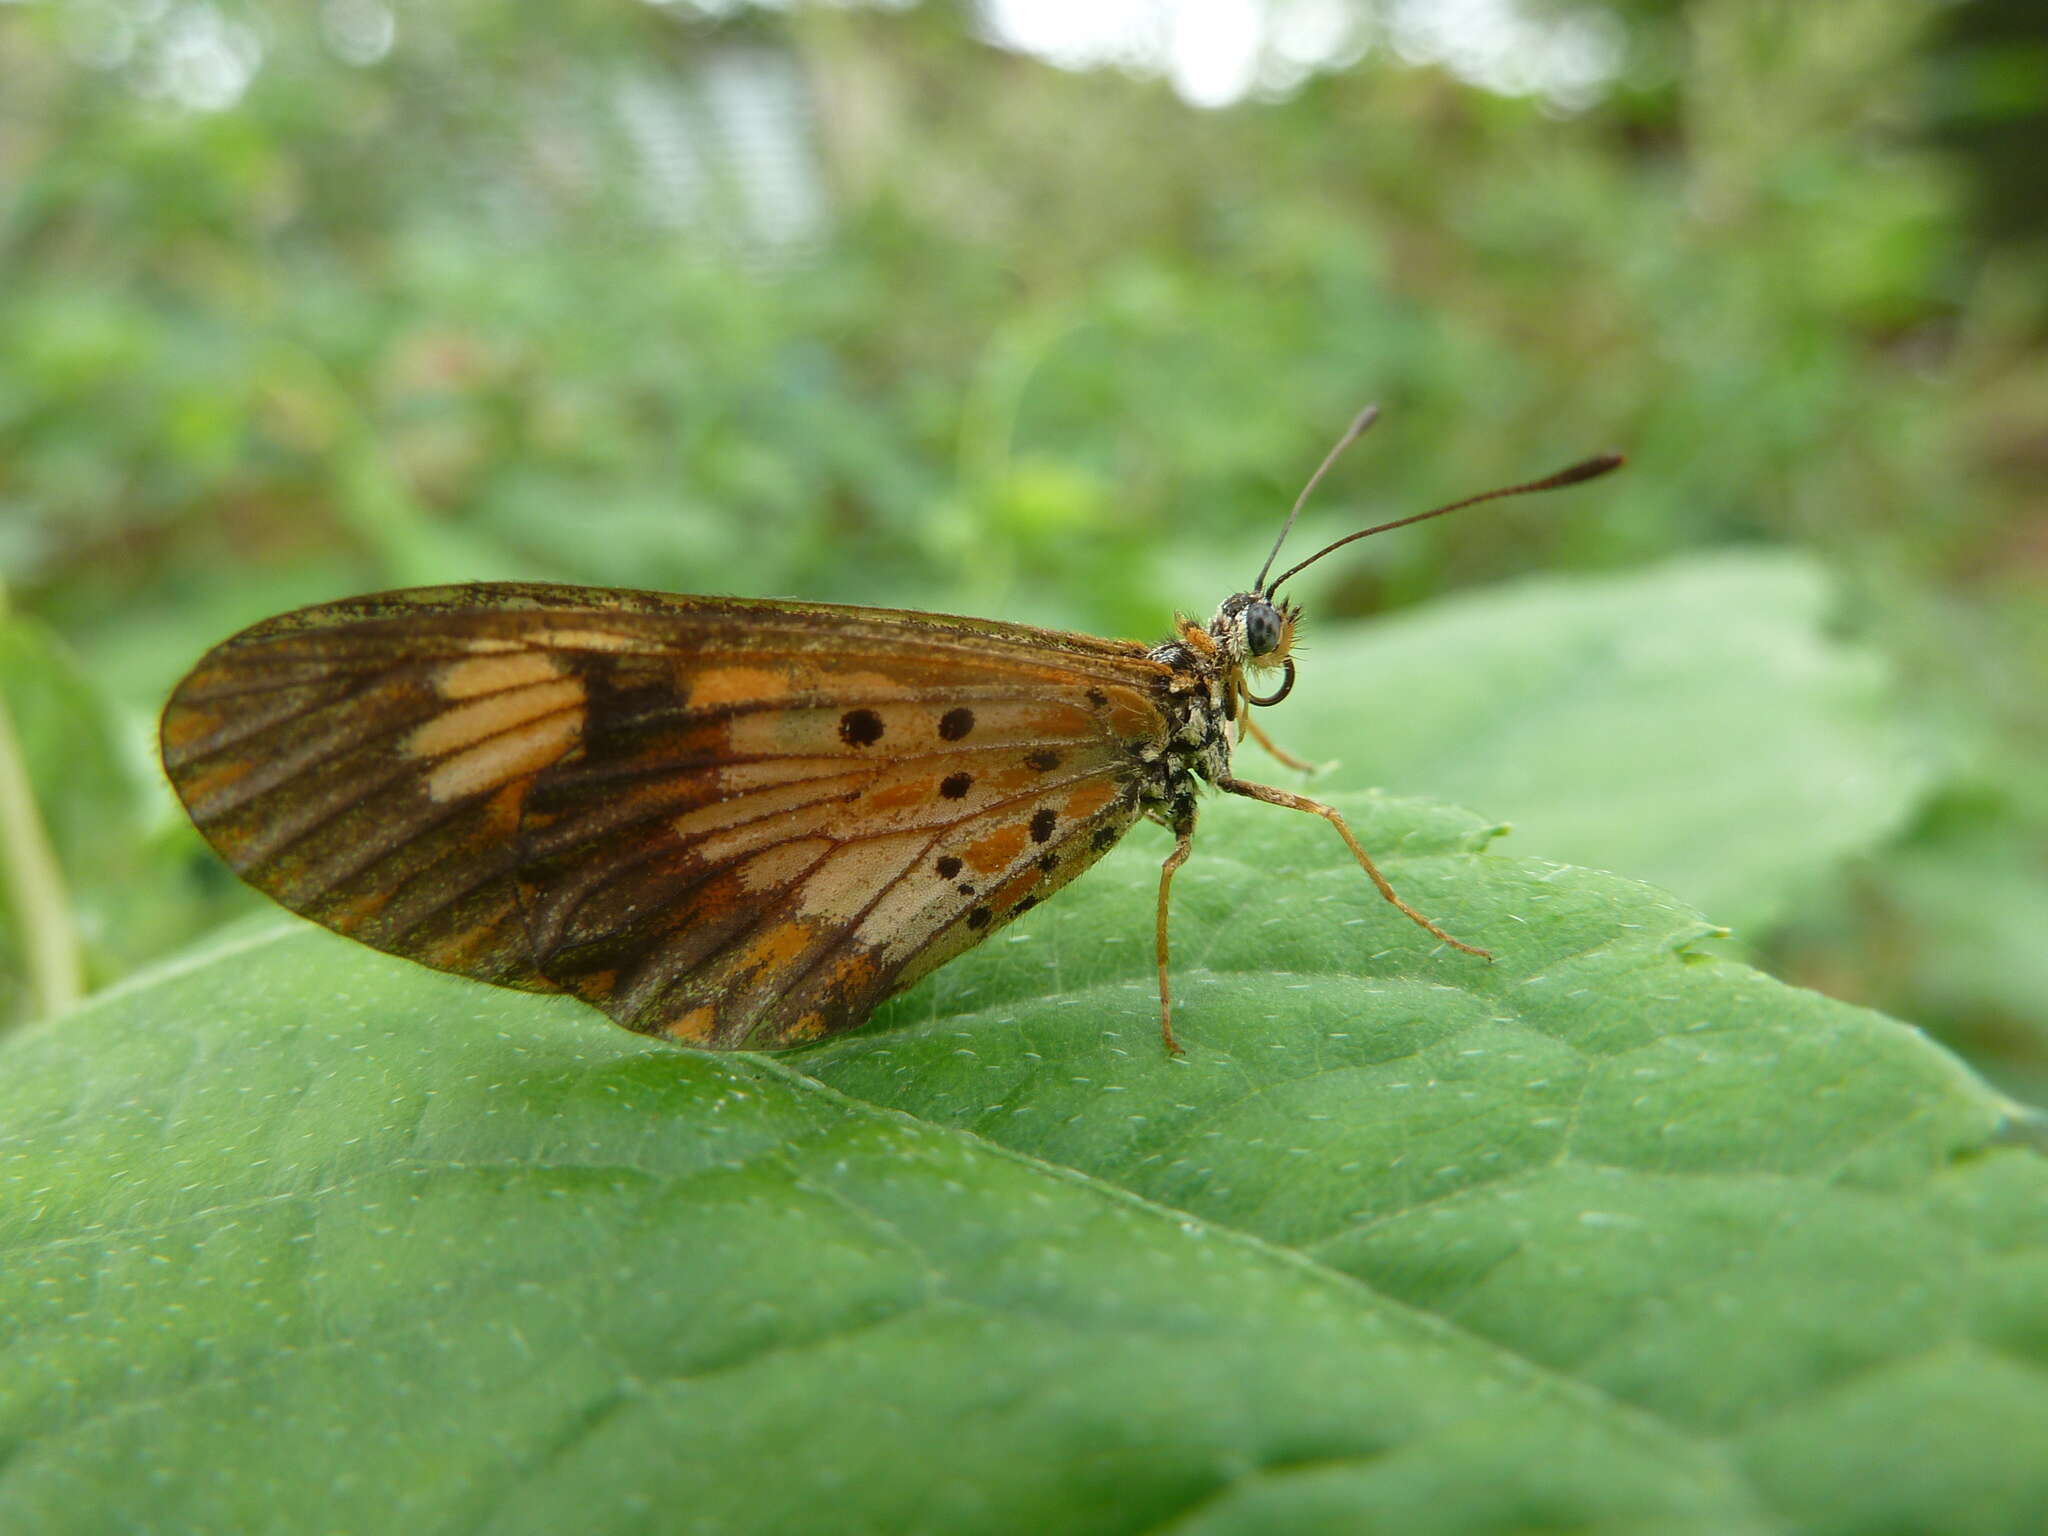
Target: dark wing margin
[[716, 819]]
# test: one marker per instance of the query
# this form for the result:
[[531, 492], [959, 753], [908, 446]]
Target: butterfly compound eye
[[1262, 628]]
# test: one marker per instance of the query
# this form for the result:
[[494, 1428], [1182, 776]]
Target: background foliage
[[852, 303]]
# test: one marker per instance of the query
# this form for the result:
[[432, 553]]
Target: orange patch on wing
[[196, 789], [1022, 776], [459, 949], [1055, 720], [184, 725], [998, 850], [693, 1028], [853, 971], [776, 946], [1088, 798], [501, 811], [810, 1027], [1015, 890], [898, 797], [1131, 715], [720, 686], [358, 910], [717, 898]]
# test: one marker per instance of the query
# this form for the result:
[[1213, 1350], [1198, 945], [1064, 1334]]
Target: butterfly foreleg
[[1296, 802], [1184, 833]]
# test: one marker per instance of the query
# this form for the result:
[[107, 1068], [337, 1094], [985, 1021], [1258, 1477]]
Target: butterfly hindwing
[[737, 823]]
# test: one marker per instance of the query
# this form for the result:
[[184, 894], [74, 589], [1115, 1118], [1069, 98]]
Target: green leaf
[[1696, 726], [1600, 1236]]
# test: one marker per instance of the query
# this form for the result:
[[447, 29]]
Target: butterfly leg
[[1295, 802], [1185, 832]]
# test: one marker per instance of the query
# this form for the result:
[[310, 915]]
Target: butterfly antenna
[[1352, 434], [1585, 469]]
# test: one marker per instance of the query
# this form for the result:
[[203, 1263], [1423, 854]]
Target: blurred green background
[[1035, 311]]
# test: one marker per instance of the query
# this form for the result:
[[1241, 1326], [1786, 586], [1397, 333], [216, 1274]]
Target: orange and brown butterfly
[[738, 824]]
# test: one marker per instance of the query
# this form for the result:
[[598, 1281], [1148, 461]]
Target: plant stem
[[34, 883]]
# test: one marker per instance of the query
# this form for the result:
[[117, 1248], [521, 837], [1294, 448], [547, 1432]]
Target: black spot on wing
[[860, 727]]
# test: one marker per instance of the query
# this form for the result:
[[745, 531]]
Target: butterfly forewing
[[741, 824]]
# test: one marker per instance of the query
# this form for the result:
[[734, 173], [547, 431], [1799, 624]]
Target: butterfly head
[[1256, 634]]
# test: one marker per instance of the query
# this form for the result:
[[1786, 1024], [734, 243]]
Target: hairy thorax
[[1199, 698]]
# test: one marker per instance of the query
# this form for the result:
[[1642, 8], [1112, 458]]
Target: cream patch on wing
[[599, 640], [495, 672], [773, 868], [467, 725], [499, 761], [522, 713], [904, 919], [844, 884]]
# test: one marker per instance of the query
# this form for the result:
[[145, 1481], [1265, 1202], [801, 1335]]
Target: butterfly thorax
[[1204, 693]]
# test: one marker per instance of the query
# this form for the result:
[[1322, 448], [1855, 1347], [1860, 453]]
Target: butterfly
[[736, 823]]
